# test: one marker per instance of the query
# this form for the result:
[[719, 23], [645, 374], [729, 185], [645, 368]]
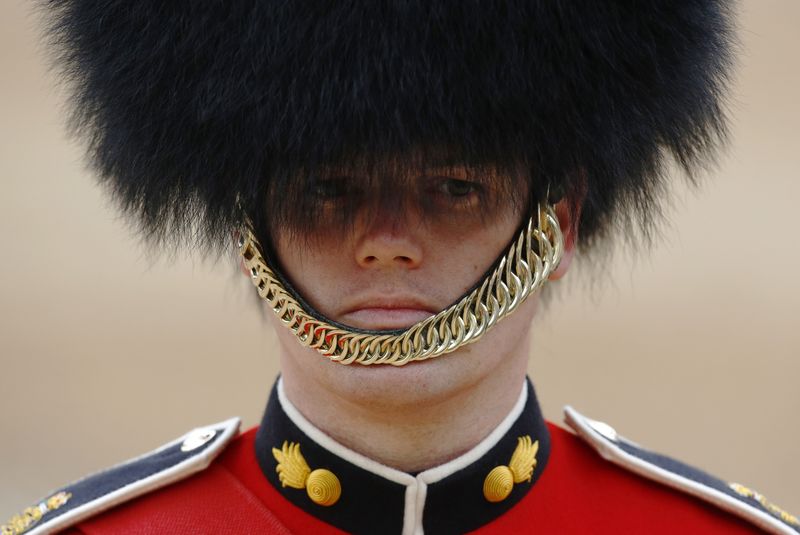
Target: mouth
[[386, 314]]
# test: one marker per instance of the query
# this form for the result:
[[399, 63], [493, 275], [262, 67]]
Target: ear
[[568, 211]]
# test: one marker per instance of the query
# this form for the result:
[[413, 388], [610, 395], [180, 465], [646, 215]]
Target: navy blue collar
[[377, 499]]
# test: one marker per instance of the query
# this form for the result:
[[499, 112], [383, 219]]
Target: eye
[[457, 188]]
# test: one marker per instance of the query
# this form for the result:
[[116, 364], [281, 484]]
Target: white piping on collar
[[416, 487]]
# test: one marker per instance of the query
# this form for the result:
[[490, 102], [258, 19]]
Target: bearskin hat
[[200, 113]]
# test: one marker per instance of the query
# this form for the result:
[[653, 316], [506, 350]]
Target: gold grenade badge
[[322, 485], [498, 484]]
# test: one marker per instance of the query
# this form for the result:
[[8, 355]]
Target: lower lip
[[384, 319]]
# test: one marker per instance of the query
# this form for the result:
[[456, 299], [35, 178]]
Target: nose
[[388, 242]]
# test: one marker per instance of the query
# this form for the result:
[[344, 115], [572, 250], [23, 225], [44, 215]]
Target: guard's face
[[402, 261]]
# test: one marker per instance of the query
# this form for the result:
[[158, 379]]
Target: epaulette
[[94, 494], [732, 497]]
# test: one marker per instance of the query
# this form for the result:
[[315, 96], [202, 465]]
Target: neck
[[403, 418]]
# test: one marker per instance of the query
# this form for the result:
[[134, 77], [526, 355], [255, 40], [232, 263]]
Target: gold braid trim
[[27, 519], [769, 506], [521, 272]]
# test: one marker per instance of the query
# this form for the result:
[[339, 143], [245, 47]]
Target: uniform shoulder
[[732, 497], [92, 495]]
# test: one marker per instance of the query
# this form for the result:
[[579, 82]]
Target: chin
[[429, 381], [417, 383], [379, 385], [408, 387]]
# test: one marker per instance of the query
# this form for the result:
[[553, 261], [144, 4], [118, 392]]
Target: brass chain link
[[520, 272]]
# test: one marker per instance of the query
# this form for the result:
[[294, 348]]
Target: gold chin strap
[[530, 259]]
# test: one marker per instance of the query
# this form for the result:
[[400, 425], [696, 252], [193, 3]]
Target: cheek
[[468, 258], [508, 339], [315, 270]]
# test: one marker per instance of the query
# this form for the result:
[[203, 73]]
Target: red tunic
[[578, 492]]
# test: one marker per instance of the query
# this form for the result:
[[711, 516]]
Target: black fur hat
[[199, 113]]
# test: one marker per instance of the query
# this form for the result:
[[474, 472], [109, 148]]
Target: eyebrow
[[457, 169], [439, 166]]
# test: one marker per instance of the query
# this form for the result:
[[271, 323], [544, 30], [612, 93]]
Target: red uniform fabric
[[578, 492]]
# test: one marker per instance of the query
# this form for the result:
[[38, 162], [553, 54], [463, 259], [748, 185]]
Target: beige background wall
[[106, 353]]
